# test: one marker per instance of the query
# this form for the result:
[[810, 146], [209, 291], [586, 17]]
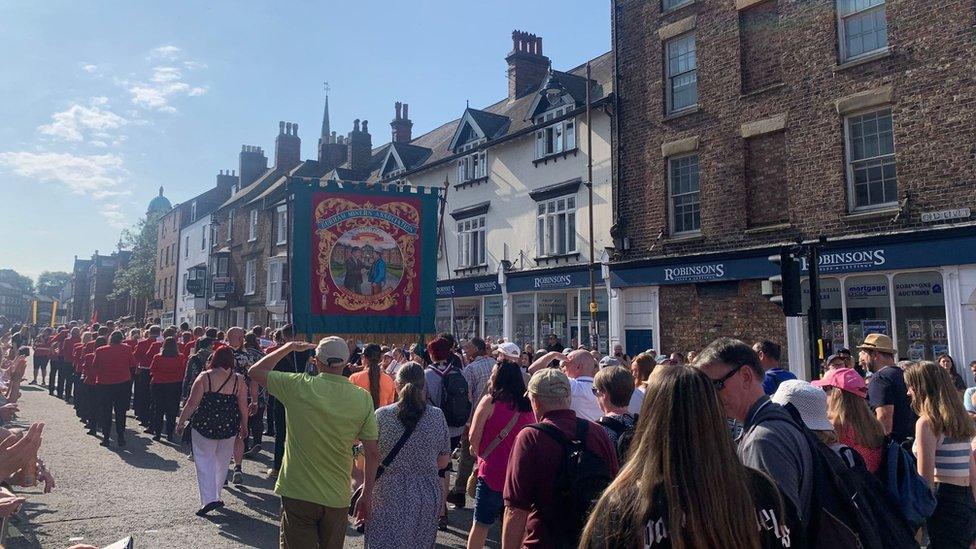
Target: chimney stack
[[253, 163], [288, 147], [360, 146], [226, 180], [401, 124], [527, 67]]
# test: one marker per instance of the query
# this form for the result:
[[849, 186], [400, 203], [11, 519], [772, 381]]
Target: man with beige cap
[[326, 415], [887, 392], [536, 458]]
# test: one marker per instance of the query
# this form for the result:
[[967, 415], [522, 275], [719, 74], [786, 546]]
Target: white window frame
[[185, 276], [843, 16], [203, 237], [250, 276], [548, 226], [472, 166], [672, 225], [193, 212], [852, 194], [186, 246], [669, 77], [230, 225], [276, 269], [556, 138], [252, 225], [281, 224], [471, 236]]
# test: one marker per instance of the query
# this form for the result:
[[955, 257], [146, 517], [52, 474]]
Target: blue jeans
[[488, 503]]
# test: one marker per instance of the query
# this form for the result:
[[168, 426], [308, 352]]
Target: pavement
[[148, 490]]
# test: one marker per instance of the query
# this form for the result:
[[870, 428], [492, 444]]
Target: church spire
[[325, 115]]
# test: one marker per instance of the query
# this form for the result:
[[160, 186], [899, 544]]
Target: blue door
[[638, 341]]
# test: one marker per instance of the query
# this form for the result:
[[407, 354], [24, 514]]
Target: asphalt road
[[147, 490]]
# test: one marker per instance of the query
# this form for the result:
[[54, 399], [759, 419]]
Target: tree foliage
[[49, 283], [137, 279], [17, 280]]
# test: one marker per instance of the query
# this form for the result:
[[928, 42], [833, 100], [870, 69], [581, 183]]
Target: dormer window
[[555, 138], [473, 166]]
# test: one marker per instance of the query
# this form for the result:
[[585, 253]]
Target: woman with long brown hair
[[373, 378], [944, 448], [689, 488], [848, 411]]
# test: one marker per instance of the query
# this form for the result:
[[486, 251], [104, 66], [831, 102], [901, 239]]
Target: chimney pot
[[294, 128], [355, 125], [405, 115], [396, 106], [365, 128], [281, 127]]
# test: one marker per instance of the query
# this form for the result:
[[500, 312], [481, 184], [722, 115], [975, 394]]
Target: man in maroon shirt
[[64, 351], [537, 458], [114, 382]]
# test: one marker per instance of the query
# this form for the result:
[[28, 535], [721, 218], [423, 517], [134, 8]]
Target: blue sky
[[104, 102]]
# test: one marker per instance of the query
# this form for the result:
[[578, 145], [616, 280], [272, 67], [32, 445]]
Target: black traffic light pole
[[815, 331]]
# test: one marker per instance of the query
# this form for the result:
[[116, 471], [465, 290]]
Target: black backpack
[[625, 435], [846, 509], [454, 398], [581, 479]]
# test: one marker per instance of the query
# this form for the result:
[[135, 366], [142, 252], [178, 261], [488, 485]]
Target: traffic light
[[789, 279]]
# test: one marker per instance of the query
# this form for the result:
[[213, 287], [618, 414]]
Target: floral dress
[[408, 498]]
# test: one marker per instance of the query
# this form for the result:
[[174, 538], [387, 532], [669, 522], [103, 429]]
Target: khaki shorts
[[305, 525]]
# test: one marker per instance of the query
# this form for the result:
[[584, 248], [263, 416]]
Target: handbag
[[379, 470], [473, 478]]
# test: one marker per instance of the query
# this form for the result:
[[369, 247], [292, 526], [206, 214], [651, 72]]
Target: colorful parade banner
[[364, 259]]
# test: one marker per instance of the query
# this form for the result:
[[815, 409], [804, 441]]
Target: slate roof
[[306, 169], [505, 117]]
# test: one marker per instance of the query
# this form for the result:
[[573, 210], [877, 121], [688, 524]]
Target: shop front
[[470, 307], [556, 303]]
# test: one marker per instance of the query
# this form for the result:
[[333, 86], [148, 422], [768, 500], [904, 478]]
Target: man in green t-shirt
[[326, 416]]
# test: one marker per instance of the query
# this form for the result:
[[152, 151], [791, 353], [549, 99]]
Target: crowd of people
[[719, 447]]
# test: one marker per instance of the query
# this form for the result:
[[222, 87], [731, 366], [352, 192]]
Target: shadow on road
[[136, 454], [245, 530]]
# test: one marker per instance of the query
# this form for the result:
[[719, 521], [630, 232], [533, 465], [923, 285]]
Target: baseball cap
[[331, 350], [878, 342], [549, 383], [810, 401], [845, 379], [509, 350], [609, 361]]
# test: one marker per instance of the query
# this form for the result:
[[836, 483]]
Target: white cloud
[[89, 67], [72, 124], [168, 51]]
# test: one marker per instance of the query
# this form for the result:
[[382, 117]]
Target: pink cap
[[845, 379]]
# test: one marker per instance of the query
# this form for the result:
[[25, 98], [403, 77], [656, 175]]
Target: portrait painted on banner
[[366, 262]]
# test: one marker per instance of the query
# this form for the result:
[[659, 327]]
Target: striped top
[[952, 457]]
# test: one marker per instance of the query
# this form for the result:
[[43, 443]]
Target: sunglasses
[[719, 383]]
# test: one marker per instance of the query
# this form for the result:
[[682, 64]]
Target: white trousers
[[212, 457]]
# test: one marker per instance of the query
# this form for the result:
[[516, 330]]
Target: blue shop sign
[[468, 287], [934, 252], [543, 281]]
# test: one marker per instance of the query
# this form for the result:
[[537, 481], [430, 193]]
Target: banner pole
[[442, 243]]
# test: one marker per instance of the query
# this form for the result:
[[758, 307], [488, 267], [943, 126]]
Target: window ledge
[[681, 238], [471, 270], [281, 243], [682, 113], [769, 228], [556, 258], [871, 214], [255, 239], [873, 56], [555, 156], [772, 87], [470, 183]]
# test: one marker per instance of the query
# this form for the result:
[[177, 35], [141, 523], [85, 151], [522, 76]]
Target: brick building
[[101, 284], [78, 304], [745, 125], [163, 305]]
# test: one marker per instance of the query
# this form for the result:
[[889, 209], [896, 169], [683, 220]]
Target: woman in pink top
[[502, 412], [854, 422]]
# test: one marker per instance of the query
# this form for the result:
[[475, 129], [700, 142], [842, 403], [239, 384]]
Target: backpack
[[454, 398], [899, 474], [581, 479], [844, 509], [625, 435]]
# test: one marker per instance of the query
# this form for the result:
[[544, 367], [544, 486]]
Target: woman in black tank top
[[215, 409]]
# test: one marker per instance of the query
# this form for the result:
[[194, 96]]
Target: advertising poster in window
[[364, 259], [916, 351], [874, 327], [916, 330], [939, 349], [938, 330]]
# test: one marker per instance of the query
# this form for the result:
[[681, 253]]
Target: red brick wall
[[761, 47], [767, 190], [692, 315], [930, 68]]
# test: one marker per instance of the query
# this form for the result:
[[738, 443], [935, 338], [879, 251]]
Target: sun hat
[[509, 350], [331, 350], [810, 401], [549, 383], [878, 342], [845, 379]]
